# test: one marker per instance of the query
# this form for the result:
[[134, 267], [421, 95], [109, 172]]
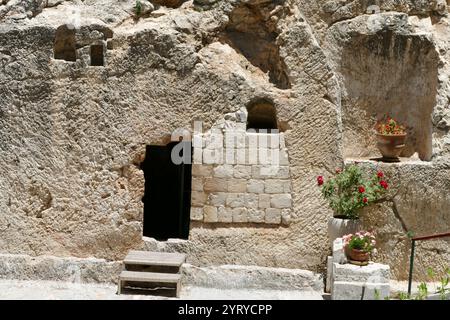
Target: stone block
[[214, 140], [197, 156], [343, 290], [251, 200], [269, 157], [235, 139], [240, 215], [223, 171], [277, 186], [224, 214], [196, 214], [264, 201], [264, 172], [242, 172], [210, 214], [241, 156], [198, 198], [252, 156], [281, 201], [200, 170], [273, 216], [235, 200], [339, 252], [198, 141], [283, 172], [251, 140], [215, 185], [197, 184], [229, 155], [213, 156], [376, 291], [283, 158], [255, 186], [286, 216], [373, 273], [329, 274], [217, 199], [256, 215], [237, 185]]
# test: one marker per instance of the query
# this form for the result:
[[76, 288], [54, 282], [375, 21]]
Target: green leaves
[[350, 190], [138, 8]]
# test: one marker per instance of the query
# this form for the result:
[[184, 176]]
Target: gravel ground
[[55, 290]]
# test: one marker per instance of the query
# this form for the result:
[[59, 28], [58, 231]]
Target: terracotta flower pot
[[391, 146], [357, 255]]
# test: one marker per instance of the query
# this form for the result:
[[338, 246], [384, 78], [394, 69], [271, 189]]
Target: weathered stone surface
[[225, 214], [373, 273], [256, 215], [264, 201], [229, 276], [73, 136], [217, 199], [240, 215], [196, 214], [237, 185], [255, 186], [273, 215], [338, 252], [215, 185], [210, 214], [281, 201], [24, 267]]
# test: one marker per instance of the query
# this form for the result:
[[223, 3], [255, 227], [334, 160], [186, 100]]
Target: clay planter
[[391, 146], [338, 227], [357, 255]]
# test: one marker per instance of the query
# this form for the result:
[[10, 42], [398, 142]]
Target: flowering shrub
[[390, 127], [350, 190], [361, 240]]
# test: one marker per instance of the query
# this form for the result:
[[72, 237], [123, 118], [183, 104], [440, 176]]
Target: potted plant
[[347, 193], [359, 246], [391, 138]]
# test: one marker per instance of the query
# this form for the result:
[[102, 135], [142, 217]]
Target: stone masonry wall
[[240, 176]]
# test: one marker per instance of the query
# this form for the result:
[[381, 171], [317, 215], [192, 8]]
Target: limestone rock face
[[86, 85]]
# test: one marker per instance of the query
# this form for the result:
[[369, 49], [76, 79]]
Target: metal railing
[[413, 246]]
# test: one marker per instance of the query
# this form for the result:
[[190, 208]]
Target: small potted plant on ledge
[[347, 193], [391, 138], [359, 246]]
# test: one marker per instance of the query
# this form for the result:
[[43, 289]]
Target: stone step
[[147, 258], [149, 279]]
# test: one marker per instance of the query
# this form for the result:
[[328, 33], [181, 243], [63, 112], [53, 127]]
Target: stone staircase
[[156, 273]]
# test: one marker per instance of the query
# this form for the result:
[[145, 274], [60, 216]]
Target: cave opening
[[97, 55], [261, 116], [64, 46], [408, 95]]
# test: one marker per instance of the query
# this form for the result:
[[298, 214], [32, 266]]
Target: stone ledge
[[69, 269], [372, 273], [251, 277], [345, 290], [375, 160]]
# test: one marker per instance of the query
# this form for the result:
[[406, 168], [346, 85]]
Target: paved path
[[55, 290]]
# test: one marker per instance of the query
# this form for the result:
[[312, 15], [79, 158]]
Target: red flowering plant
[[390, 127], [352, 189]]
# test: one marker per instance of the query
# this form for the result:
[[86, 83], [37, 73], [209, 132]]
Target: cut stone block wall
[[240, 176]]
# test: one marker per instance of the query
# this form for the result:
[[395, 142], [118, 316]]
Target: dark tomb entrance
[[167, 198]]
